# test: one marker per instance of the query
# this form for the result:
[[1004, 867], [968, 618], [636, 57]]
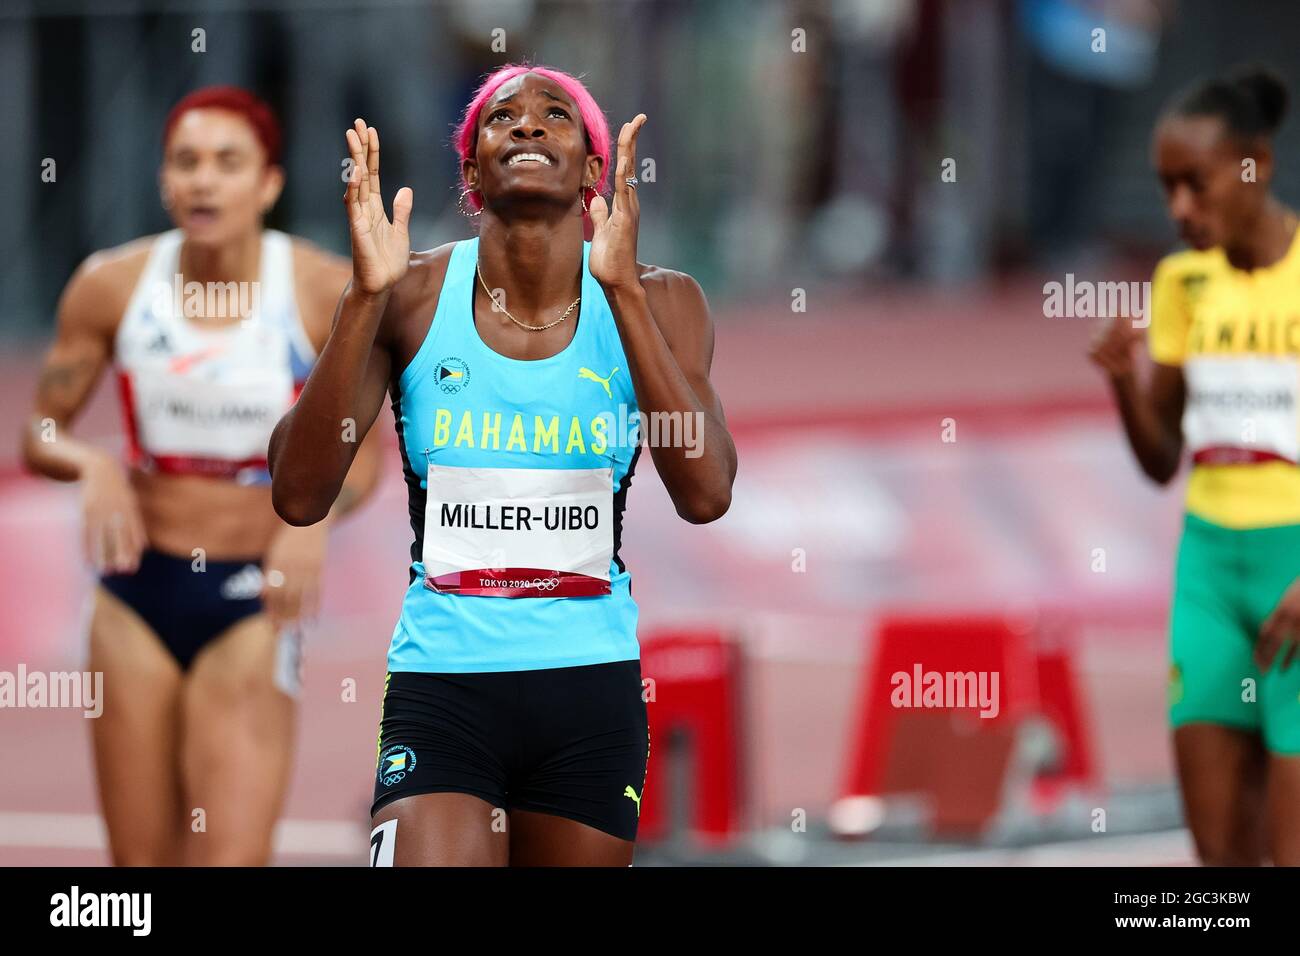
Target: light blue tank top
[[517, 475]]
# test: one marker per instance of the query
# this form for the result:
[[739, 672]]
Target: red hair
[[593, 120], [236, 100]]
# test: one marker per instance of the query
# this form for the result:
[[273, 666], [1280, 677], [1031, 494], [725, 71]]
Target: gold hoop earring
[[460, 203], [582, 197]]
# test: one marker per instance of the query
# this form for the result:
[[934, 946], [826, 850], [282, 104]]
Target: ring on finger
[[631, 181]]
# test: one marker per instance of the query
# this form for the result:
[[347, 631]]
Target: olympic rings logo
[[395, 763], [536, 584]]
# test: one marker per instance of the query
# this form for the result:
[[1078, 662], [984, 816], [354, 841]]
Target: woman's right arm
[[313, 445], [82, 349], [89, 311], [1152, 412]]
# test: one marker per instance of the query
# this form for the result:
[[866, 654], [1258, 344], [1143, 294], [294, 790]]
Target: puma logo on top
[[588, 374]]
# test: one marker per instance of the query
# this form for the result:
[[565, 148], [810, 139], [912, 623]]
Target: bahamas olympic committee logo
[[453, 375], [395, 763]]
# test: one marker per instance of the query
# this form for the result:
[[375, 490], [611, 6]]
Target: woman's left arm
[[667, 335], [298, 553]]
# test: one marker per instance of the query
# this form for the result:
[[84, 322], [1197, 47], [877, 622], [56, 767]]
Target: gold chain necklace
[[523, 325]]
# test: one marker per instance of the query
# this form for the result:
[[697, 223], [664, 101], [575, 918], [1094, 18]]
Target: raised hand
[[380, 249], [612, 260], [1113, 345]]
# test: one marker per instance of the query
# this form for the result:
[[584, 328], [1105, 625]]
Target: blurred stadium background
[[783, 178]]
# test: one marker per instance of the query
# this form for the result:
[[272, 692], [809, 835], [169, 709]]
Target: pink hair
[[593, 119]]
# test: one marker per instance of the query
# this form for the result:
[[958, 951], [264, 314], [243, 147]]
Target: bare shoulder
[[312, 262], [427, 269], [118, 266], [677, 303], [670, 285], [319, 278], [326, 275], [98, 293], [419, 288], [414, 300]]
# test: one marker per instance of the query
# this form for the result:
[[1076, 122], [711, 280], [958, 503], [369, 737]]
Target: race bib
[[224, 421], [519, 532], [1241, 410]]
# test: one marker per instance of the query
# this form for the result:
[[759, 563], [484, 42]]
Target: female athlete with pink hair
[[513, 728]]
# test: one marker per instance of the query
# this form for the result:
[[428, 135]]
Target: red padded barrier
[[692, 682]]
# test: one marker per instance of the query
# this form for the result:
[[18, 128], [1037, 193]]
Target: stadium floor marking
[[85, 831]]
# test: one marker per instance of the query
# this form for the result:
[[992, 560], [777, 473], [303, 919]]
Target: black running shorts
[[569, 741]]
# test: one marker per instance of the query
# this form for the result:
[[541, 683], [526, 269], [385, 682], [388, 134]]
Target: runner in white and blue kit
[[196, 620], [520, 365]]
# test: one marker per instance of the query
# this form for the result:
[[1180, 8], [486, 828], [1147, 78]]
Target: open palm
[[612, 259], [381, 249]]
